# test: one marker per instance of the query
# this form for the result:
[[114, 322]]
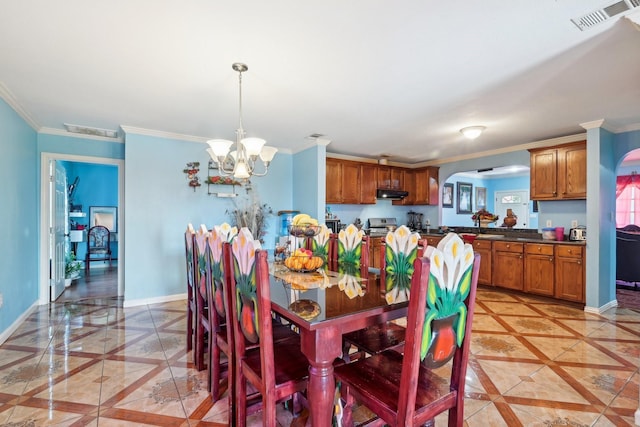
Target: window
[[627, 200]]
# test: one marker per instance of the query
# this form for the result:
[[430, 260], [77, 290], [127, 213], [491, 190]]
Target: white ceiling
[[375, 77]]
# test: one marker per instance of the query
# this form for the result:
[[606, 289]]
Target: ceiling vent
[[600, 15], [86, 130]]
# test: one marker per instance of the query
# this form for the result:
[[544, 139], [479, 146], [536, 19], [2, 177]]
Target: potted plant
[[72, 268]]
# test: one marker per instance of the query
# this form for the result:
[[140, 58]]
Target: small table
[[325, 305]]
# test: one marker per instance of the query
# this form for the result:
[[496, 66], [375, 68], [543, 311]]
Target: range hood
[[382, 193]]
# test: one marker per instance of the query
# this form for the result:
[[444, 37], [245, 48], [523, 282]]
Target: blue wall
[[159, 204], [19, 216]]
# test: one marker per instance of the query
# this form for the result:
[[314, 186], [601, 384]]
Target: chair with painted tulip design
[[399, 251], [201, 278], [191, 302], [276, 369], [408, 389]]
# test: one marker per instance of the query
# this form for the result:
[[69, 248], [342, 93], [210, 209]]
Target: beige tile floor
[[535, 362]]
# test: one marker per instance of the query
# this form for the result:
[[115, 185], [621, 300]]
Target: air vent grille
[[600, 15]]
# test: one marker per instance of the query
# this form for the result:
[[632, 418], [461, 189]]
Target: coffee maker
[[414, 221]]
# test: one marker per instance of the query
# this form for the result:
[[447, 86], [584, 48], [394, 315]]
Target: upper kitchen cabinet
[[390, 178], [333, 181], [368, 183], [342, 181], [559, 173], [426, 186]]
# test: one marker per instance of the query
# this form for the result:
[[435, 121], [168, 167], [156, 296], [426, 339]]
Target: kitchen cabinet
[[390, 177], [409, 183], [483, 247], [375, 245], [539, 269], [508, 265], [333, 181], [426, 186], [559, 173], [368, 183], [432, 240], [350, 183], [569, 272]]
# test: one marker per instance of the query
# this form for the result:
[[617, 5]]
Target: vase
[[443, 341], [510, 221], [67, 282]]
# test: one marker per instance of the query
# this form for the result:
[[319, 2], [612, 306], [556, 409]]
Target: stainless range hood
[[382, 193]]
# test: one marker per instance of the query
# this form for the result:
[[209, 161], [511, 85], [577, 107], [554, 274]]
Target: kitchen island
[[524, 262]]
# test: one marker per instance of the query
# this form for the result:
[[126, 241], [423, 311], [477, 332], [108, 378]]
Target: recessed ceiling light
[[86, 130]]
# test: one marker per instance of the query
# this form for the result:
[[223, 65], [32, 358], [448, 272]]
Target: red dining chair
[[218, 288], [408, 389], [399, 249], [191, 302], [202, 326], [276, 369]]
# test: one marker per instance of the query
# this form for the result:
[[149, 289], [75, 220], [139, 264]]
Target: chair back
[[215, 240], [444, 282], [251, 298], [98, 240], [188, 251], [200, 262], [351, 248], [398, 253]]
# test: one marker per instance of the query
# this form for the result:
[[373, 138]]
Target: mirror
[[104, 215]]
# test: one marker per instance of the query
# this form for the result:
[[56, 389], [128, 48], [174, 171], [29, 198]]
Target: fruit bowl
[[304, 230], [303, 263]]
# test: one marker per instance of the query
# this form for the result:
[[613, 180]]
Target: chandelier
[[242, 161]]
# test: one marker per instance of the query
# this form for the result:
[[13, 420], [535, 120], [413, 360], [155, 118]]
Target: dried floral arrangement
[[251, 214]]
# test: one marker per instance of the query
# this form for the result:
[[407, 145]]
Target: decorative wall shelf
[[218, 180]]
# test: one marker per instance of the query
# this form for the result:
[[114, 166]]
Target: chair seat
[[290, 365], [377, 338], [380, 376]]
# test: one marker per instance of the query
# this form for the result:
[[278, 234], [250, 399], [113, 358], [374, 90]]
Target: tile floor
[[534, 362]]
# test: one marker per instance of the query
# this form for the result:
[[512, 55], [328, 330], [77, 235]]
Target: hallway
[[535, 362]]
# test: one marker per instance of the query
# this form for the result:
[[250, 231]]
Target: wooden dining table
[[324, 305]]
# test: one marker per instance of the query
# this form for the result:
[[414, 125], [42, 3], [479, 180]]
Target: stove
[[378, 227]]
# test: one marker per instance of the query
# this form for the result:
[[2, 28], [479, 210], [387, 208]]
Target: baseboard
[[19, 321], [155, 300], [602, 309]]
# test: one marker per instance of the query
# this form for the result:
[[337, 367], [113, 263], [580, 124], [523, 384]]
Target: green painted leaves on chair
[[244, 255], [401, 251], [449, 285]]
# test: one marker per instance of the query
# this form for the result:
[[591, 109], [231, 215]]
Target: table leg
[[321, 347]]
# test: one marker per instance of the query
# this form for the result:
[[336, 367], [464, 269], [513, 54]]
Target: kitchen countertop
[[505, 238]]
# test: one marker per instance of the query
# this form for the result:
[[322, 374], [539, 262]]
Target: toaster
[[579, 233]]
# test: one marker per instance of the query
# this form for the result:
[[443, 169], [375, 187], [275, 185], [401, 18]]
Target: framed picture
[[464, 197], [447, 196], [104, 215], [481, 198]]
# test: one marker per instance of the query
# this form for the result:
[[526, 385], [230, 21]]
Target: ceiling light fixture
[[240, 162], [472, 132]]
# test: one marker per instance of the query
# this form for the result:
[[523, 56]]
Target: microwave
[[333, 225]]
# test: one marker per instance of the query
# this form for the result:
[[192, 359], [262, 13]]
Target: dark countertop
[[515, 237]]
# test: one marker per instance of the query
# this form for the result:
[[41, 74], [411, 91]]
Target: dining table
[[324, 305]]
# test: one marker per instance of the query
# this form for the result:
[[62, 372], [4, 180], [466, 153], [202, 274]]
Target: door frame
[[496, 195], [44, 257]]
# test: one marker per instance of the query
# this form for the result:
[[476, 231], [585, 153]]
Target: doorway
[[48, 222], [517, 201]]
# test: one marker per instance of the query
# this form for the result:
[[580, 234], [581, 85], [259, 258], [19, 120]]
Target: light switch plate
[[574, 223], [548, 223]]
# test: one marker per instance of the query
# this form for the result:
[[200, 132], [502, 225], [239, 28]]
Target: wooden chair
[[277, 370], [191, 302], [98, 246], [406, 389], [202, 326], [399, 250], [218, 288]]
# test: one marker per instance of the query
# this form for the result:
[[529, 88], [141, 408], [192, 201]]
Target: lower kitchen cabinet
[[432, 240], [539, 269], [569, 274], [483, 247], [508, 265], [375, 245]]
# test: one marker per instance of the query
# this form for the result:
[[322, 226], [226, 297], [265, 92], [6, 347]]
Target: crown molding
[[8, 97], [178, 136], [537, 144]]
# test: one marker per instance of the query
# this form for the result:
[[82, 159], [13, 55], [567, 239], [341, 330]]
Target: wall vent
[[87, 130], [598, 16]]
